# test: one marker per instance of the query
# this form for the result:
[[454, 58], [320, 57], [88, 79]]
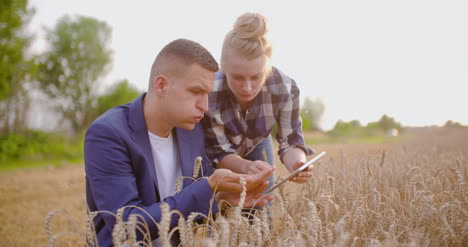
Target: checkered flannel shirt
[[228, 132]]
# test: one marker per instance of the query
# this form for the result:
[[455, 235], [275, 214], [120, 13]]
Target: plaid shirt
[[228, 132]]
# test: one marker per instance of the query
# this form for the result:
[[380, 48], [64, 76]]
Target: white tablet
[[293, 174]]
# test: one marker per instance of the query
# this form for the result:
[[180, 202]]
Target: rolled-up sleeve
[[289, 121]]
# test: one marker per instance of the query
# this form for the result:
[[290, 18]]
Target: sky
[[407, 59]]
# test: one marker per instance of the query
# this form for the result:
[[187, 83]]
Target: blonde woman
[[249, 97]]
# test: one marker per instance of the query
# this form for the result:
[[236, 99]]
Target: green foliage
[[355, 128], [121, 93], [13, 17], [312, 113], [16, 70], [306, 124], [69, 72], [453, 124], [343, 128], [39, 145], [387, 123]]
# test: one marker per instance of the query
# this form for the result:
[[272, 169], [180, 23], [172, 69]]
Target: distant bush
[[453, 124], [352, 128], [39, 145], [356, 129]]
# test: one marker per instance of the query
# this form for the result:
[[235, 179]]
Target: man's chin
[[187, 126]]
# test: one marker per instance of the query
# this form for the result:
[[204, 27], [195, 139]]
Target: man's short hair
[[185, 51]]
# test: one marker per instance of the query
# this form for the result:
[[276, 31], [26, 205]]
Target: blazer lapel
[[186, 155], [137, 123]]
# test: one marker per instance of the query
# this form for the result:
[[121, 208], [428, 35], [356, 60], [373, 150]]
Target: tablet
[[293, 174]]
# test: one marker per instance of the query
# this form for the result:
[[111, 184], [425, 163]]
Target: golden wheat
[[412, 193]]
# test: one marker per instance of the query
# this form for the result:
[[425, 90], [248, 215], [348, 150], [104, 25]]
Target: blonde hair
[[248, 37]]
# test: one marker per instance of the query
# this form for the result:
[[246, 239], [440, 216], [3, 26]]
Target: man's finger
[[260, 188], [254, 170]]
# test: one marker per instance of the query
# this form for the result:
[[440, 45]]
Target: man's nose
[[203, 103]]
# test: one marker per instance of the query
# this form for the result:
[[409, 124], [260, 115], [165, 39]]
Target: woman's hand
[[294, 159], [303, 176], [226, 180]]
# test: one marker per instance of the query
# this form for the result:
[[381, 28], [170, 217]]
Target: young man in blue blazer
[[134, 153]]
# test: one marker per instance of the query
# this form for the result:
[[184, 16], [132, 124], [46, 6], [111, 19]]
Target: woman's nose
[[247, 86]]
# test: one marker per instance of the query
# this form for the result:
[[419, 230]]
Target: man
[[134, 153]]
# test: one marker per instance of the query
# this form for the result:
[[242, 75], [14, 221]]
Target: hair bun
[[251, 26]]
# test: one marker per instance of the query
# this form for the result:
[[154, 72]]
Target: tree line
[[67, 73]]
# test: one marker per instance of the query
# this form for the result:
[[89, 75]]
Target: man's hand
[[226, 180], [253, 197], [303, 176]]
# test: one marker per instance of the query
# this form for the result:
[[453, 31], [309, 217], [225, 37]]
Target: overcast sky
[[407, 59]]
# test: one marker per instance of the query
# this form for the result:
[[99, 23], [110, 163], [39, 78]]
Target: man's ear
[[160, 85]]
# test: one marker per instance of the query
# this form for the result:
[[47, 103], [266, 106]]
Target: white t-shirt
[[167, 166], [166, 162]]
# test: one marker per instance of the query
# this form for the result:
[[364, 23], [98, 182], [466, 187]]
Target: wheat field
[[409, 193]]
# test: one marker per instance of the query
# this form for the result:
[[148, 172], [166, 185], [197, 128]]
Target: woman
[[249, 97]]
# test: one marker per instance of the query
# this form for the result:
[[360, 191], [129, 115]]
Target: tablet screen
[[293, 174]]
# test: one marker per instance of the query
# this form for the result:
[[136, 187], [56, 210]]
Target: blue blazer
[[120, 170]]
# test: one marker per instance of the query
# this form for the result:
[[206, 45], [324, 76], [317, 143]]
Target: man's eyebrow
[[198, 87]]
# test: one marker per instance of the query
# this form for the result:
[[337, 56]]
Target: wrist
[[211, 182], [289, 166]]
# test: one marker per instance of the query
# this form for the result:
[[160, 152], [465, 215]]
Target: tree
[[452, 124], [342, 128], [312, 113], [70, 70], [120, 93], [387, 123], [16, 70]]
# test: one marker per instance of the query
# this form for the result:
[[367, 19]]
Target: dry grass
[[27, 197], [399, 194]]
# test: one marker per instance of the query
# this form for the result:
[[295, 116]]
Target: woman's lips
[[245, 95]]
